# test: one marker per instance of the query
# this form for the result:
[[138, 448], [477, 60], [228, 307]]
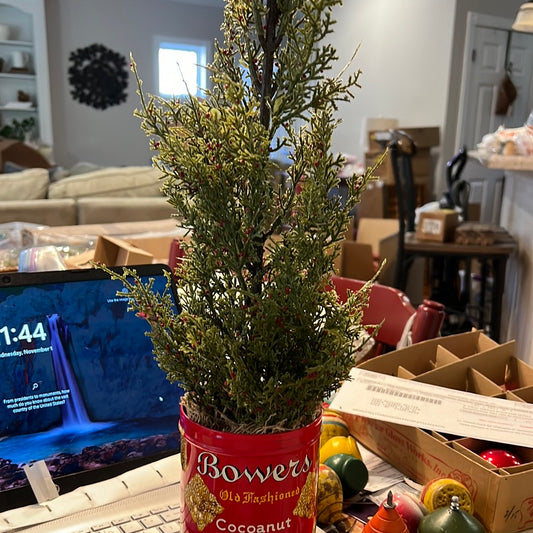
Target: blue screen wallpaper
[[79, 386]]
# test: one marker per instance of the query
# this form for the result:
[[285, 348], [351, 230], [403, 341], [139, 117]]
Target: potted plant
[[21, 131], [260, 340]]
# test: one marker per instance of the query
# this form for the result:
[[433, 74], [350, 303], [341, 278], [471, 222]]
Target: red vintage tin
[[235, 483]]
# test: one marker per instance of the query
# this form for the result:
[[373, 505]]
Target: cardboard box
[[424, 137], [372, 203], [376, 240], [421, 163], [133, 250], [356, 261], [158, 247], [473, 363], [374, 231], [112, 251], [438, 225], [153, 237]]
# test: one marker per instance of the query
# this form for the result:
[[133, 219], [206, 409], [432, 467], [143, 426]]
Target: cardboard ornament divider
[[471, 394]]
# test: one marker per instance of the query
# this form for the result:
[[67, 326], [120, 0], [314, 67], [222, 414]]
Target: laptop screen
[[79, 386]]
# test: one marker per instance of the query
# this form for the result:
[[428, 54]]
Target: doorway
[[491, 50]]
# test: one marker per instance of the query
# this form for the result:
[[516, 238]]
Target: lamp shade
[[524, 18]]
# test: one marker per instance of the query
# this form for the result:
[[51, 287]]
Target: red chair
[[392, 309], [176, 254]]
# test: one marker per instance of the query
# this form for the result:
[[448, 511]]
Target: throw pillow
[[10, 167], [29, 184], [54, 173], [82, 167]]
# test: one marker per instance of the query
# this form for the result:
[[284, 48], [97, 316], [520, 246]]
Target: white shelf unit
[[26, 20]]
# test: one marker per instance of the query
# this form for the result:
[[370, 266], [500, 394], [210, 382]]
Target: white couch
[[112, 194]]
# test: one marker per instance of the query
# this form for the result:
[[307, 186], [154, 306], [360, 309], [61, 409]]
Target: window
[[181, 68]]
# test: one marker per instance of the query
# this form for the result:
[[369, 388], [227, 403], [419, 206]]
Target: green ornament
[[351, 471], [450, 520]]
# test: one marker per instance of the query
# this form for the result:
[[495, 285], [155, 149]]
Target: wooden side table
[[497, 253]]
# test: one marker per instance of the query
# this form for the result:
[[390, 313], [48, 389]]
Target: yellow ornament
[[338, 444], [333, 426], [329, 498], [439, 492]]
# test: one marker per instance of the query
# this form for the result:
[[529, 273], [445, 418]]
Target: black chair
[[449, 263], [402, 148], [445, 282]]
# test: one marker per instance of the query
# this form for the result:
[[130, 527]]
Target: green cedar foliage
[[260, 342]]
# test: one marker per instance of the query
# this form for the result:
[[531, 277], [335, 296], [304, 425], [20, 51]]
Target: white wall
[[410, 55], [112, 136], [405, 61], [405, 71], [517, 217]]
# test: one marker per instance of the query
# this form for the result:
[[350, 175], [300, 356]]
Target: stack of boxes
[[425, 139]]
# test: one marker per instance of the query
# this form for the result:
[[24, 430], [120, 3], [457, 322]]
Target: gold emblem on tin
[[203, 505], [305, 507]]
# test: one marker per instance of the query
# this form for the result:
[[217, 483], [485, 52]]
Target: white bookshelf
[[26, 21]]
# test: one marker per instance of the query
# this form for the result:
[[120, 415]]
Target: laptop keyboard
[[160, 520]]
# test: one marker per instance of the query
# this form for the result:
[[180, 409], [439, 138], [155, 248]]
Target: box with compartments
[[470, 363]]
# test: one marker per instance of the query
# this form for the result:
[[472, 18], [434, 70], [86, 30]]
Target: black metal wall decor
[[98, 76]]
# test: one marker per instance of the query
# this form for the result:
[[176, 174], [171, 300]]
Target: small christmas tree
[[260, 341]]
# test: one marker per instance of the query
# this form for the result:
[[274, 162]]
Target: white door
[[490, 49]]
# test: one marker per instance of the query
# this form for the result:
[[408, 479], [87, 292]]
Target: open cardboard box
[[377, 240], [121, 243], [112, 251], [464, 364], [157, 246]]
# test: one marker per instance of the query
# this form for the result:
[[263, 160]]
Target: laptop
[[80, 390]]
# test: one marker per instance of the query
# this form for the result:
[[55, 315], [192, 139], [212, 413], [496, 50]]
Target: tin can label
[[236, 483]]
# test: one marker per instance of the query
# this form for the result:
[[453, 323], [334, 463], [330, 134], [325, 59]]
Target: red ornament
[[500, 458], [411, 509], [387, 519]]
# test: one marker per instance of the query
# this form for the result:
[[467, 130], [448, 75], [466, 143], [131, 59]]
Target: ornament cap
[[389, 504], [387, 519], [451, 519], [454, 505]]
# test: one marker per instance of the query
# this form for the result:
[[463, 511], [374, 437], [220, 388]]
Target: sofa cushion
[[29, 184], [105, 210], [111, 181], [41, 211]]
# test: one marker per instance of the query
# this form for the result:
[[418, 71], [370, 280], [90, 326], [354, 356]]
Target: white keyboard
[[145, 499], [154, 512], [160, 520]]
